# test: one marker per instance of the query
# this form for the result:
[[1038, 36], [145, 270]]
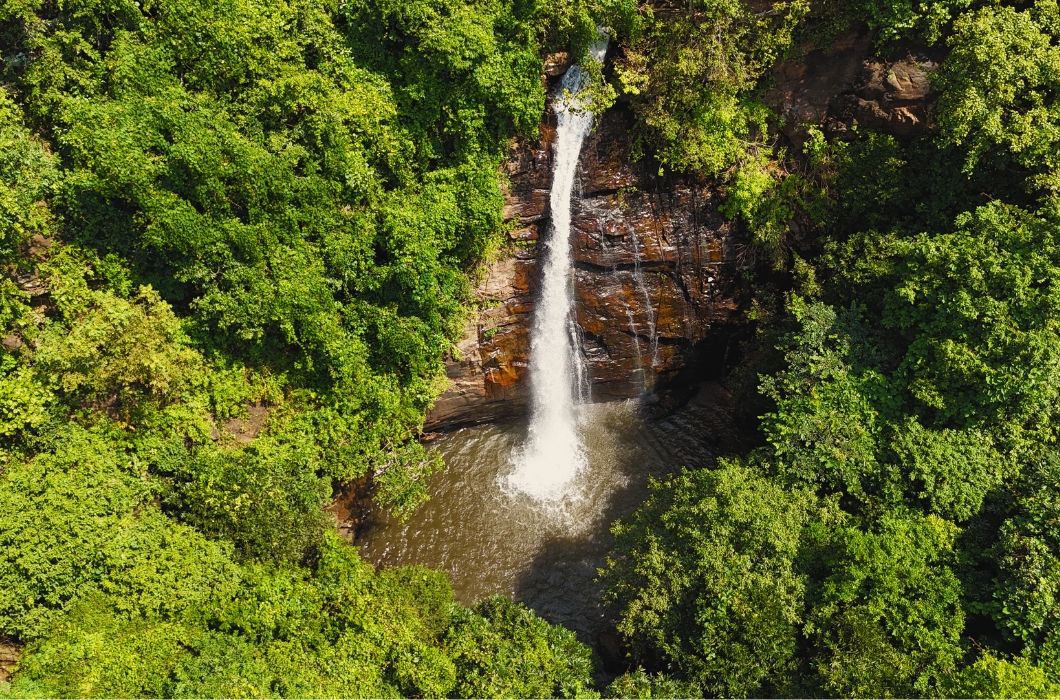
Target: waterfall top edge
[[569, 97]]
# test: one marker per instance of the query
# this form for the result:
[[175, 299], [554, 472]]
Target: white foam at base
[[554, 454]]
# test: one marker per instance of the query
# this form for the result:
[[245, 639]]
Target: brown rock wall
[[655, 279]]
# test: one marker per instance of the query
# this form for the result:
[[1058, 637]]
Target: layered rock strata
[[655, 281]]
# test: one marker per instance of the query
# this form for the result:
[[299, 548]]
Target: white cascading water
[[553, 454]]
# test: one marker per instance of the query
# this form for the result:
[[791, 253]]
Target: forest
[[212, 205]]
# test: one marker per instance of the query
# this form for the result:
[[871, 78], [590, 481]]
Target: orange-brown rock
[[655, 282], [486, 374]]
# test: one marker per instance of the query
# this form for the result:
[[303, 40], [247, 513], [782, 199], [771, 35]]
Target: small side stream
[[492, 539]]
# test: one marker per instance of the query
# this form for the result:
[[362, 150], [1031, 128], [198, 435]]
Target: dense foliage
[[238, 239], [688, 72], [894, 535]]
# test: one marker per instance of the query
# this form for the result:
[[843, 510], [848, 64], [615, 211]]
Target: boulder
[[846, 86], [556, 64]]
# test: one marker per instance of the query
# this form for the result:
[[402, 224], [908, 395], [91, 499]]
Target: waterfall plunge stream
[[523, 508], [553, 454]]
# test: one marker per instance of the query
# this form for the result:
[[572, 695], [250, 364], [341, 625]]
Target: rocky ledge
[[847, 87]]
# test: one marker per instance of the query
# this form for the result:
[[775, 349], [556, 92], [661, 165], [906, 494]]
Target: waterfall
[[638, 279], [553, 454], [638, 367]]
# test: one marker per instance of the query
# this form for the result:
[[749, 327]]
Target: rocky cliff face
[[656, 278], [657, 285], [656, 288]]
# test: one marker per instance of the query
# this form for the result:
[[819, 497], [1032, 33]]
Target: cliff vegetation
[[238, 239]]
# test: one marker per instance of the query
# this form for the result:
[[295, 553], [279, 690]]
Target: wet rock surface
[[350, 504], [656, 285]]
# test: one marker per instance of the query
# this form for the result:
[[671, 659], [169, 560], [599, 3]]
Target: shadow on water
[[494, 540]]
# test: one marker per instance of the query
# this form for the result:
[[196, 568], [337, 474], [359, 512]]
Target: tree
[[502, 650], [688, 70], [1026, 603], [979, 315], [885, 619], [992, 677], [705, 578], [1001, 88]]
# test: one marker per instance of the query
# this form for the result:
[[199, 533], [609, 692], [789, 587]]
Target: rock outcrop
[[846, 87], [8, 659], [656, 285]]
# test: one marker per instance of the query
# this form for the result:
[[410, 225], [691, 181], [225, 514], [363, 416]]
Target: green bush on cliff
[[1001, 90], [910, 388], [909, 19], [236, 243], [688, 70]]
